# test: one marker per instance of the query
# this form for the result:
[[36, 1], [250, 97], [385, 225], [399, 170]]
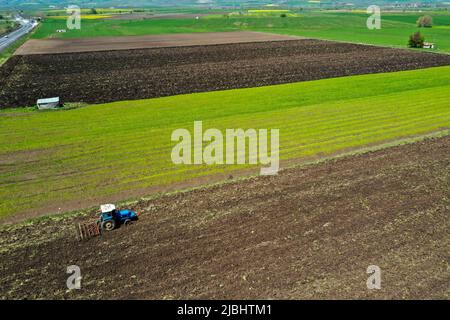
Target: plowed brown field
[[47, 46], [307, 233], [99, 77]]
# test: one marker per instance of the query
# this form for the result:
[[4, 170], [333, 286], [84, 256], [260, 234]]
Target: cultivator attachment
[[110, 219], [87, 230]]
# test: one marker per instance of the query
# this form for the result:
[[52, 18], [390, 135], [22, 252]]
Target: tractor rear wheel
[[108, 225]]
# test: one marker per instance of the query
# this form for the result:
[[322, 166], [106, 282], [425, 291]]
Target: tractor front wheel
[[108, 225]]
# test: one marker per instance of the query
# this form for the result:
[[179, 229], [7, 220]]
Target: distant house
[[49, 103], [428, 45]]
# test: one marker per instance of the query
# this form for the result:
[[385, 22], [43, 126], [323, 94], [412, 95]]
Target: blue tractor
[[111, 218]]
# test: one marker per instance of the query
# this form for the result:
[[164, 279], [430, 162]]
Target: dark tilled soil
[[97, 77], [307, 233]]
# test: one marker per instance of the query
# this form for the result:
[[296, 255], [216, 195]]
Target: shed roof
[[48, 100]]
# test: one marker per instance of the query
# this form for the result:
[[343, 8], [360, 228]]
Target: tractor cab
[[110, 217], [107, 215]]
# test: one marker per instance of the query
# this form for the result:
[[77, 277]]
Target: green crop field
[[4, 26], [48, 158], [7, 26], [341, 26]]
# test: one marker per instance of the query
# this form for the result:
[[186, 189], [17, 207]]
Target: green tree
[[425, 22], [94, 11], [416, 40], [9, 28]]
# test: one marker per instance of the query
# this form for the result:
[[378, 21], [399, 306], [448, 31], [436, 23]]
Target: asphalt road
[[10, 38]]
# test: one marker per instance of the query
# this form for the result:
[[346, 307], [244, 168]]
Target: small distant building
[[61, 30], [49, 103], [428, 45]]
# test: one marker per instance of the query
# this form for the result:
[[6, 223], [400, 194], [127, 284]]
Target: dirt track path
[[306, 233]]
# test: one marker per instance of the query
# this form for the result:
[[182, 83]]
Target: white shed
[[49, 103]]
